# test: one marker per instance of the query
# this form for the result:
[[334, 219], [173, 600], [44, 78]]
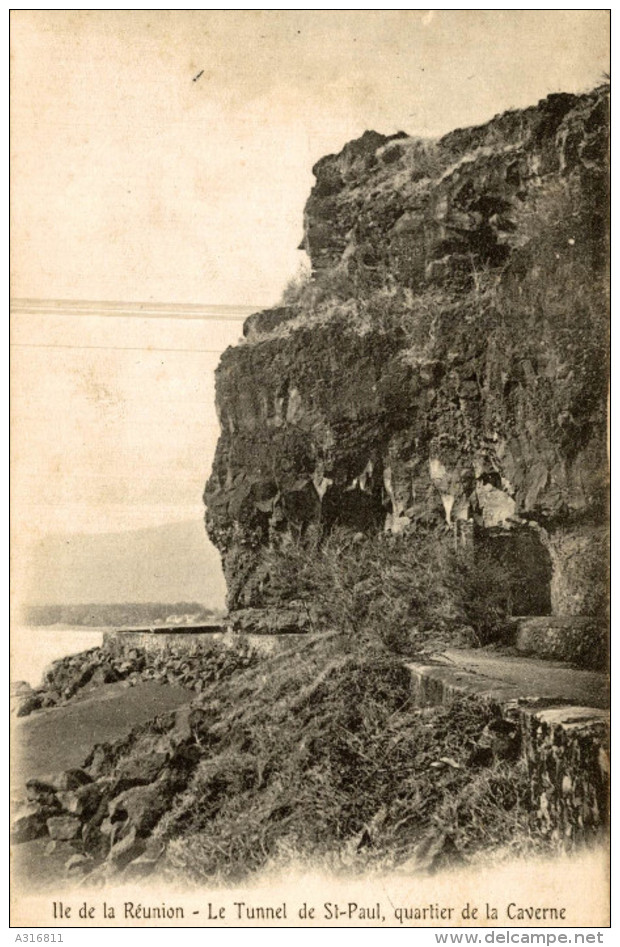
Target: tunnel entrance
[[520, 564], [356, 509]]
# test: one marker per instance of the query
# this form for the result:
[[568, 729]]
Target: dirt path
[[52, 740], [532, 677]]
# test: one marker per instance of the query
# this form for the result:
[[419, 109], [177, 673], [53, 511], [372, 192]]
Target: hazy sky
[[132, 181], [114, 416]]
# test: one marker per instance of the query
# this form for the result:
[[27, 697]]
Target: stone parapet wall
[[567, 751], [576, 638], [565, 746], [187, 642]]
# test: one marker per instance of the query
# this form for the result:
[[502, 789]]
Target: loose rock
[[28, 825], [125, 850], [64, 827]]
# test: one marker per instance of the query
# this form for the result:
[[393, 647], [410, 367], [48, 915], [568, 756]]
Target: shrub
[[313, 292], [296, 286], [404, 593]]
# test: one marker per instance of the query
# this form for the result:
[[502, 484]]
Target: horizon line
[[107, 307]]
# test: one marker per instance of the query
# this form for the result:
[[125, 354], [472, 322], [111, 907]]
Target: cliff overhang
[[444, 368]]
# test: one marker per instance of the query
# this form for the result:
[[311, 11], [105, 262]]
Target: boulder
[[141, 807], [84, 675], [50, 699], [28, 825], [104, 674], [26, 705], [182, 730], [100, 760], [41, 792], [94, 842], [126, 849], [138, 770], [107, 827], [82, 801], [64, 827]]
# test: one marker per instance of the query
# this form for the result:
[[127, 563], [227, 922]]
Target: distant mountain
[[172, 563]]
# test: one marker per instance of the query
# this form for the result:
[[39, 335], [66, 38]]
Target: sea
[[33, 649]]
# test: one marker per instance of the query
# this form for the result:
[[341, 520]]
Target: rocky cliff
[[444, 368]]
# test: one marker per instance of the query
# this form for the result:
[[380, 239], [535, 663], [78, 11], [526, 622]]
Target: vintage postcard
[[310, 362]]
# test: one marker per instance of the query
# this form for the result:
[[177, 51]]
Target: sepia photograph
[[310, 546]]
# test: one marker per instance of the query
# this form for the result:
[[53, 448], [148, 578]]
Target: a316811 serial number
[[29, 938]]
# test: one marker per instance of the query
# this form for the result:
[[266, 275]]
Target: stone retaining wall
[[191, 642], [567, 751], [566, 747], [582, 640]]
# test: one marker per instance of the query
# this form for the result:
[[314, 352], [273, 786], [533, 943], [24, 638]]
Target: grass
[[320, 756]]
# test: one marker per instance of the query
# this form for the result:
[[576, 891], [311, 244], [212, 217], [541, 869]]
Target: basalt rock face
[[446, 363], [417, 211]]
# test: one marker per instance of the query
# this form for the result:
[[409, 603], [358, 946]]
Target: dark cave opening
[[521, 563], [356, 509]]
